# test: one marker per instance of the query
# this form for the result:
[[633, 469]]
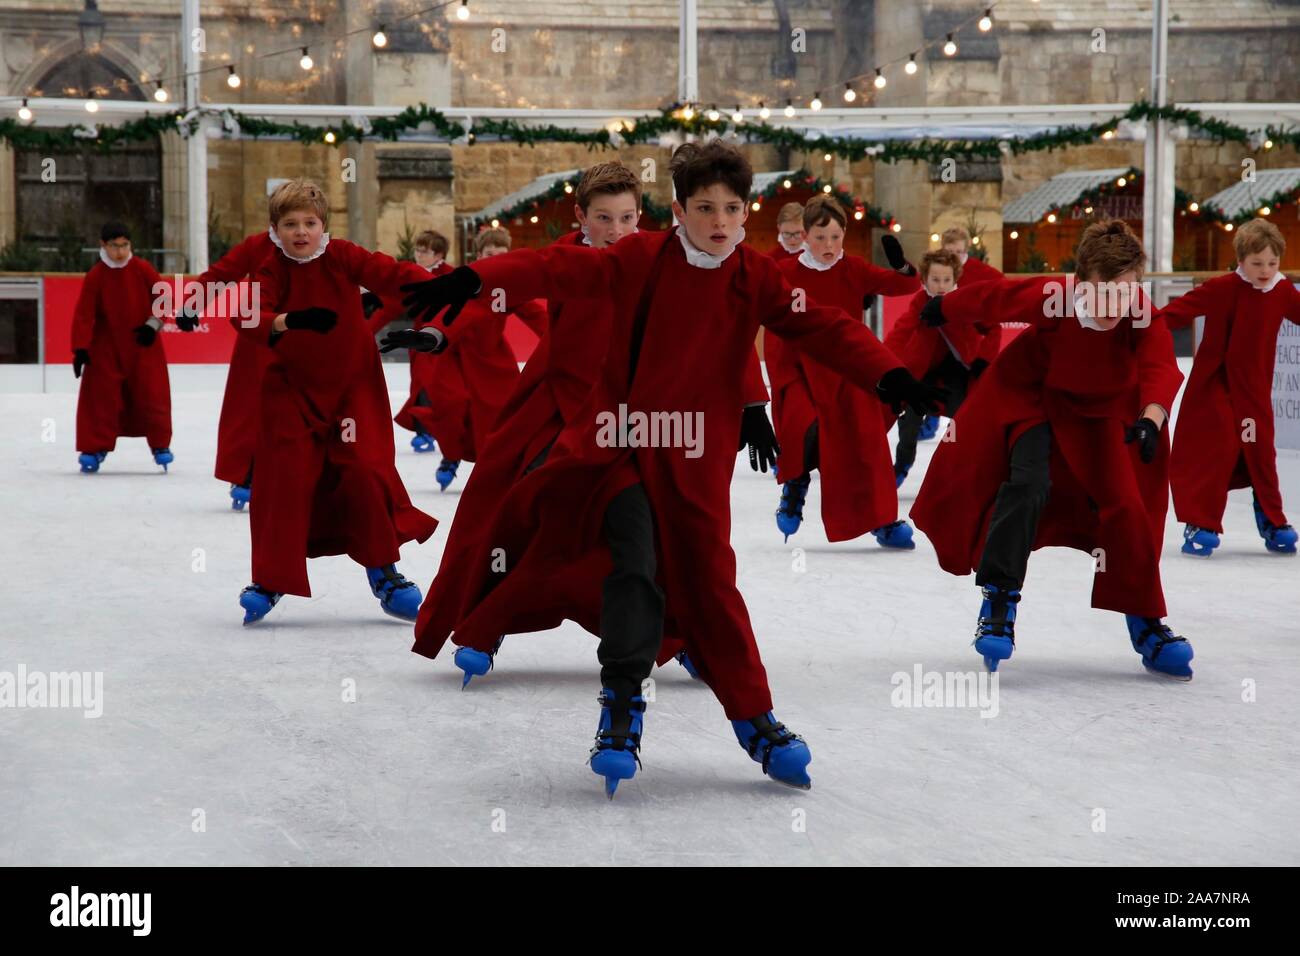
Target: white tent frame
[[866, 123]]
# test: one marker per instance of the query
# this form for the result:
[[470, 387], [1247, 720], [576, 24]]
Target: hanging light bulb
[[756, 205], [763, 111], [897, 227], [160, 94], [380, 39], [816, 103], [1121, 182], [857, 214], [1087, 210], [789, 108], [496, 223], [462, 12], [232, 80], [910, 68], [986, 21], [1268, 144], [849, 95], [827, 156], [1051, 217], [92, 106], [1265, 210], [329, 136], [1194, 206], [1228, 227], [786, 184], [568, 187], [532, 218], [737, 116], [24, 112], [879, 80], [713, 114], [934, 237], [950, 48], [1014, 234], [1109, 134], [827, 188], [305, 62]]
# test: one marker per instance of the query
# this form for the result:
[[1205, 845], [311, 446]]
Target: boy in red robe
[[1224, 437], [950, 358], [125, 392], [845, 438], [466, 385], [1062, 444], [637, 472], [430, 254], [324, 457], [549, 395]]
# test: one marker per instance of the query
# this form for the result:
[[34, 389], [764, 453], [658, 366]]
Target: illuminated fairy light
[[232, 80], [950, 48], [763, 111], [986, 21], [789, 108], [849, 94], [25, 112], [879, 81], [816, 103], [1014, 234], [380, 39], [306, 61], [462, 12], [910, 68]]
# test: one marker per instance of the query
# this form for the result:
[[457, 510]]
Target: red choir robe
[[858, 491], [422, 363], [125, 391], [237, 427], [324, 463], [550, 393], [461, 391], [1229, 388], [1089, 385], [922, 348], [699, 328]]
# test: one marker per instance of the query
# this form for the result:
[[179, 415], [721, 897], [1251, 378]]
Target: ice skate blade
[[611, 785], [791, 784], [1195, 553], [1181, 678], [395, 615]]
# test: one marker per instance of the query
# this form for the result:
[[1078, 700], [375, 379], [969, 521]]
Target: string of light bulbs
[[378, 39]]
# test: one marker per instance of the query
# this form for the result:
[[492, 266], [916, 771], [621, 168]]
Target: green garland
[[670, 120], [871, 215]]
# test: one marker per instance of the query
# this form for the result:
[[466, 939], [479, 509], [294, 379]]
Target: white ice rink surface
[[1089, 760]]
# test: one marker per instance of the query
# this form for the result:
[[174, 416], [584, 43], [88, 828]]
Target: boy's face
[[609, 218], [300, 230], [939, 279], [956, 246], [426, 258], [490, 251], [1111, 300], [1260, 267], [712, 218], [826, 242], [791, 233], [119, 249]]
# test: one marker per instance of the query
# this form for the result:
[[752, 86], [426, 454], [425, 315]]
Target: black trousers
[[1016, 512], [811, 451], [632, 604], [956, 379]]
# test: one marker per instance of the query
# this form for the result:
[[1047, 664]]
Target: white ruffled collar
[[963, 257], [320, 250], [797, 248], [806, 258], [104, 258], [1277, 277], [706, 260]]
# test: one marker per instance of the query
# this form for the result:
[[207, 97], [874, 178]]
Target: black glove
[[977, 367], [188, 319], [1147, 434], [370, 303], [80, 359], [932, 312], [899, 388], [756, 432], [145, 335], [894, 253], [317, 319], [422, 340], [426, 299]]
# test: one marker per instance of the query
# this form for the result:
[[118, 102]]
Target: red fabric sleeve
[[874, 280], [1206, 299], [535, 315], [1159, 377], [986, 304], [86, 310], [755, 390]]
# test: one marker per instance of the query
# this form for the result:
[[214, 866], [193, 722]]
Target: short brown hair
[[298, 195], [821, 209], [697, 166], [791, 210], [1109, 248], [434, 241], [1256, 236], [606, 179], [940, 257], [955, 234], [491, 237]]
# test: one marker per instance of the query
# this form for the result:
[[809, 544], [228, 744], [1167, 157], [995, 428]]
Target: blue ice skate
[[90, 461], [995, 634], [896, 535], [784, 756], [240, 495], [1199, 541], [398, 597], [681, 657], [1163, 651], [900, 475], [790, 515], [929, 428], [616, 752], [257, 602], [446, 473], [163, 456], [422, 443], [476, 663], [1280, 539]]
